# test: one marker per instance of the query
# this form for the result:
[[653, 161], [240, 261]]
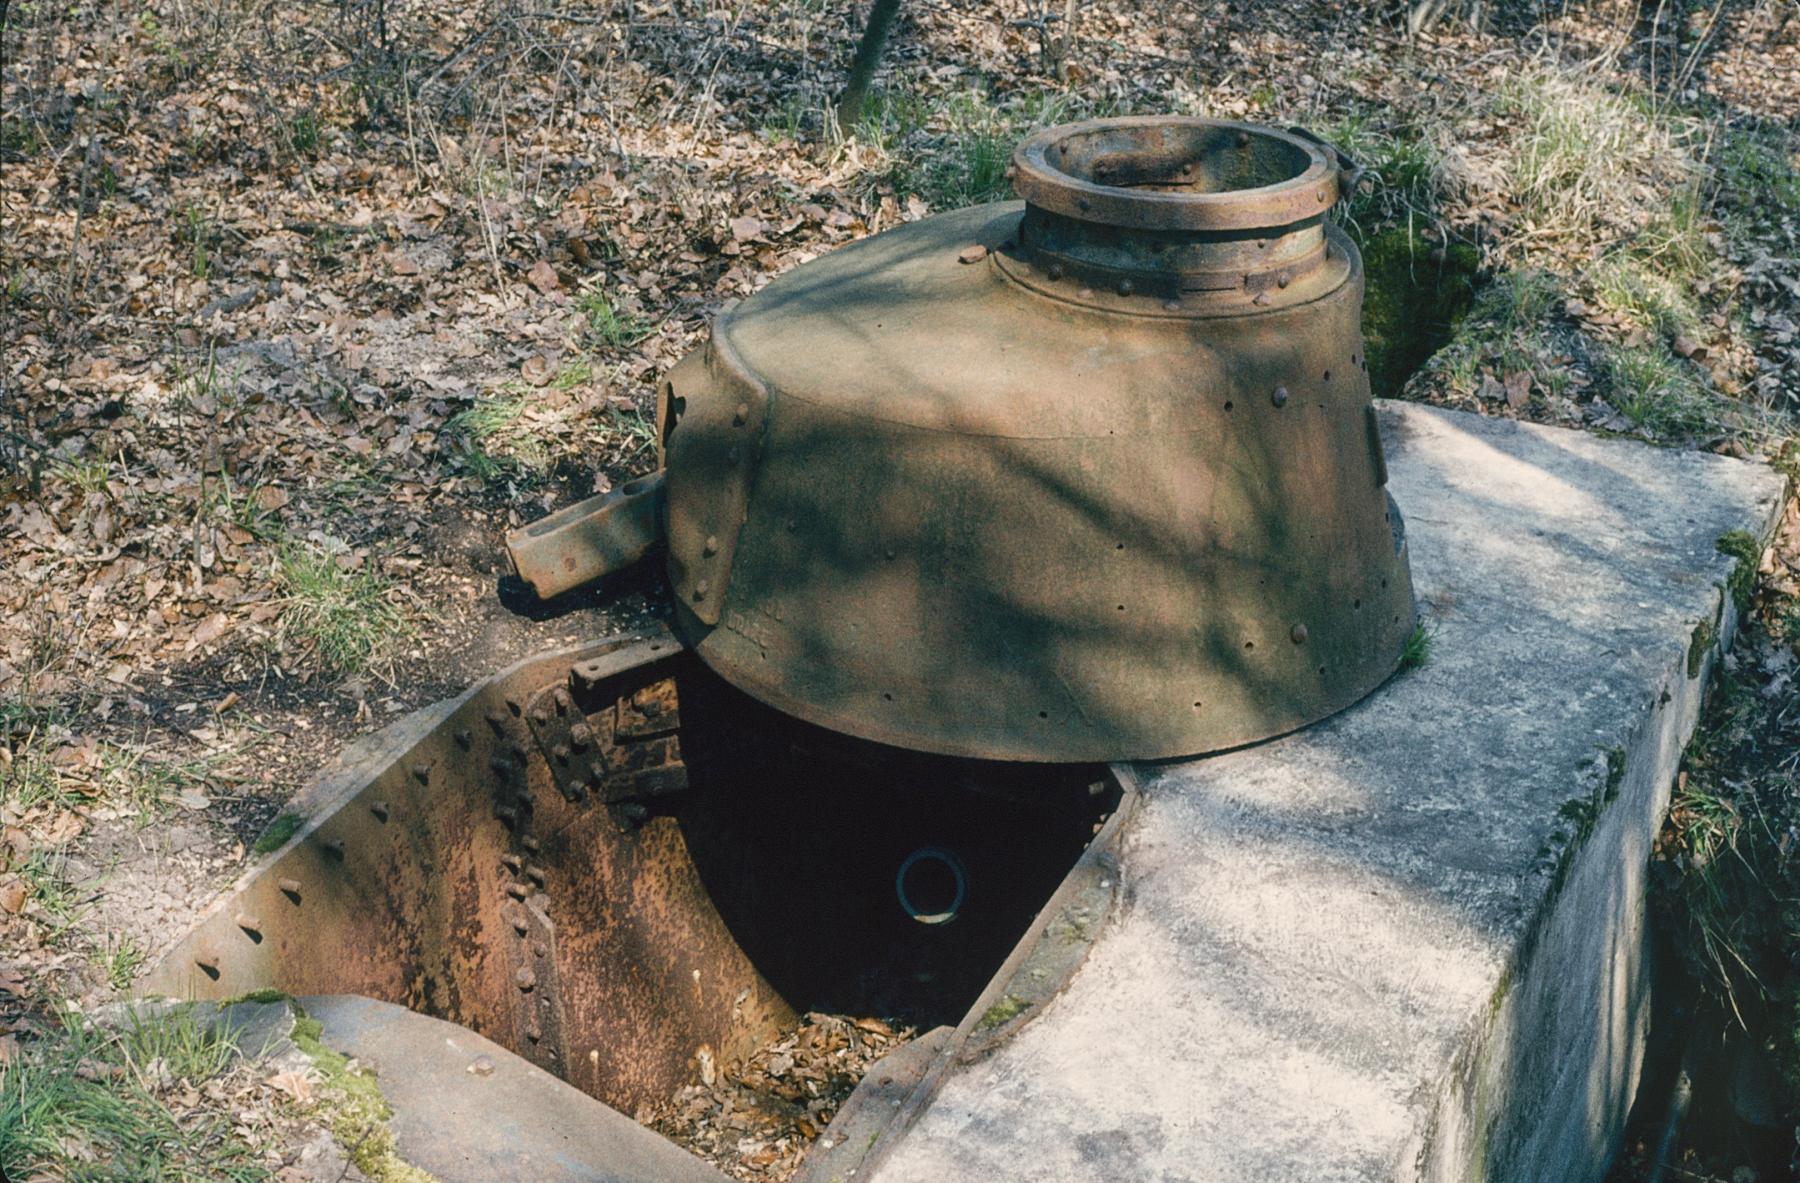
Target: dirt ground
[[303, 306]]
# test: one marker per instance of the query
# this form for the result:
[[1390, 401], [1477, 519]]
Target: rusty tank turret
[[1091, 476]]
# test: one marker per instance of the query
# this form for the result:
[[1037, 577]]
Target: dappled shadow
[[1409, 941], [1030, 532]]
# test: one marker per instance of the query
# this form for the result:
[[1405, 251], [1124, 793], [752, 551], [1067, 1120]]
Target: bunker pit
[[624, 871]]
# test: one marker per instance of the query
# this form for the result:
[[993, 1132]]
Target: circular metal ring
[[1171, 172], [959, 876]]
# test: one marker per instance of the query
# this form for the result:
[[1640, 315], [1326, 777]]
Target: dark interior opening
[[868, 880]]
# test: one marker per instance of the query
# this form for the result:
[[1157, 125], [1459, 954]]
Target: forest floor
[[302, 306]]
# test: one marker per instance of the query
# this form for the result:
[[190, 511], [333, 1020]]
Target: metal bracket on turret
[[617, 751]]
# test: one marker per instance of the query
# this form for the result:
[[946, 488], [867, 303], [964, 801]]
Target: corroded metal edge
[[458, 873]]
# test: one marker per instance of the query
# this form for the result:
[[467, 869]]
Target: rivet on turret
[[741, 414], [511, 862], [710, 546], [1321, 196], [380, 810], [251, 925], [1055, 271], [1126, 287], [463, 738], [1082, 203], [1280, 397], [290, 888], [525, 980], [422, 772], [1171, 305], [208, 963], [700, 589], [1283, 279], [1298, 633]]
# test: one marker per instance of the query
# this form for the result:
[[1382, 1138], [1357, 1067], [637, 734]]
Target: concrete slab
[[1407, 943], [468, 1110]]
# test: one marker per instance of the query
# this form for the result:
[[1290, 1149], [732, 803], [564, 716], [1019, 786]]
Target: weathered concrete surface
[[1407, 943], [466, 1109]]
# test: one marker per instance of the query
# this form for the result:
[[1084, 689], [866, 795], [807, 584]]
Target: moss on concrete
[[355, 1109], [1705, 633], [1741, 583], [1005, 1011]]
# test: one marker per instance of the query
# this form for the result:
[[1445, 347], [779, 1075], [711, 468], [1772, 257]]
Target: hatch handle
[[1349, 172], [590, 539]]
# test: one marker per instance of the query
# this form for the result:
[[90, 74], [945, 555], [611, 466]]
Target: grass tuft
[[1418, 647], [1651, 387], [606, 325], [95, 1103], [1583, 157], [347, 620]]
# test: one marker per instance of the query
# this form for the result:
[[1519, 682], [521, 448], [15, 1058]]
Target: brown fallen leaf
[[271, 497], [295, 1084], [402, 265], [12, 894], [1686, 346], [1518, 389], [1491, 391], [543, 277], [536, 370]]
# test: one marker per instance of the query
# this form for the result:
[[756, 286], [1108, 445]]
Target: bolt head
[[1298, 633], [1126, 287], [1280, 396], [701, 587], [741, 414], [711, 546], [972, 254], [1055, 271]]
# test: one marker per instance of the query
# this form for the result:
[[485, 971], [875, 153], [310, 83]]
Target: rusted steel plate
[[459, 881]]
